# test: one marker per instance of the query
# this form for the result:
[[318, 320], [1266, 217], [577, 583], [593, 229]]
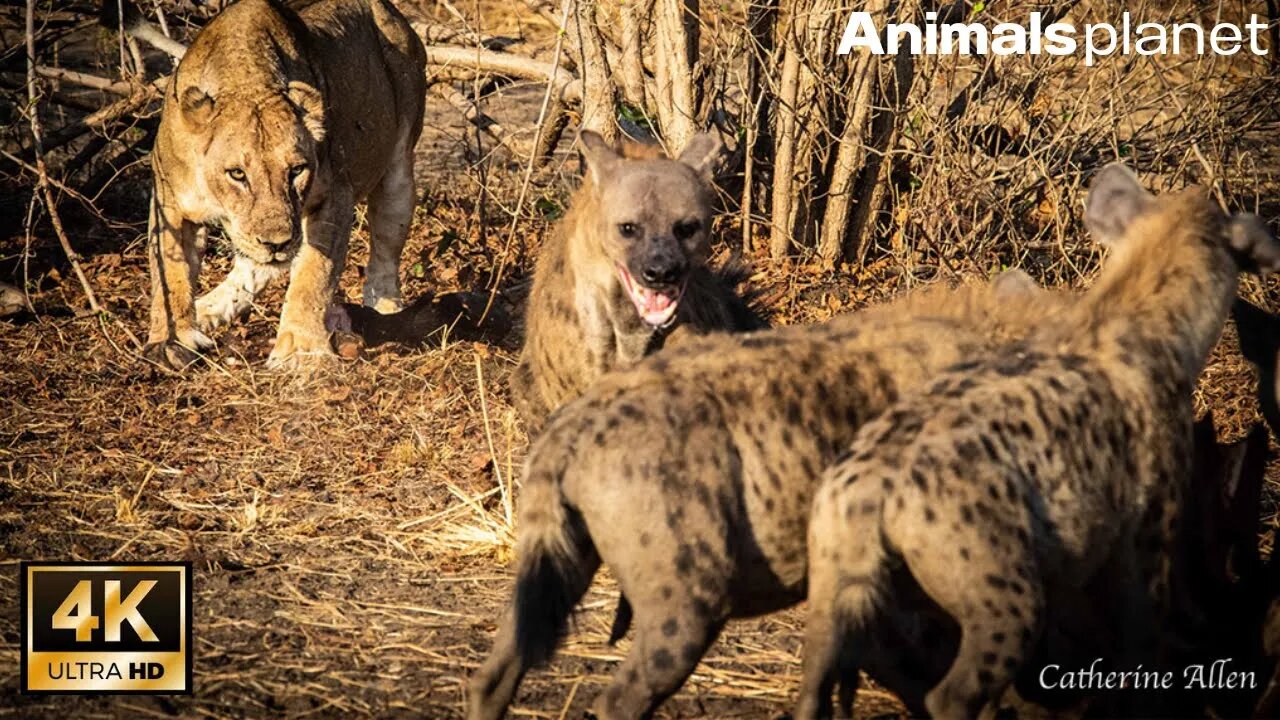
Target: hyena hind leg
[[1000, 616], [671, 636]]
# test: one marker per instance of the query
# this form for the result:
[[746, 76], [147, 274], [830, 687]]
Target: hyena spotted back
[[691, 476], [1040, 487]]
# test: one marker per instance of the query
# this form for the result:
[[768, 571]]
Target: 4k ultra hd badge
[[94, 628]]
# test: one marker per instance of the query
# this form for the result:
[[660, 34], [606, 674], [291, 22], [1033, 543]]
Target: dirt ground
[[351, 528]]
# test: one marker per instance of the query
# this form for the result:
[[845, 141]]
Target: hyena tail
[[847, 568], [557, 562]]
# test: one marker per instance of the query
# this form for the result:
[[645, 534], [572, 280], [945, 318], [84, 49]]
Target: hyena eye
[[236, 174], [628, 230], [686, 229]]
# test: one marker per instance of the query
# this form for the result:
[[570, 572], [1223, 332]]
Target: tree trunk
[[632, 16], [599, 95], [784, 137], [675, 56]]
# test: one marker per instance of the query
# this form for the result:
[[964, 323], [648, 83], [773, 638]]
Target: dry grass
[[351, 529]]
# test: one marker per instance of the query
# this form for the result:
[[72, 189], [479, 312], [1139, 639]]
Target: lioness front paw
[[294, 348], [215, 310]]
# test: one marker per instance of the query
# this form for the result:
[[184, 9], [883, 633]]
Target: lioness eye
[[685, 229], [628, 230], [236, 174], [297, 170]]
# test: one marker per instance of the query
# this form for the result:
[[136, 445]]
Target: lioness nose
[[274, 246], [664, 270]]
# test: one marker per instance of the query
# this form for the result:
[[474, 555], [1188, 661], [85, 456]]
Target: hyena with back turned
[[691, 476], [625, 268], [1012, 483]]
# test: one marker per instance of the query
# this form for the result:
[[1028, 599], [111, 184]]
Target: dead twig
[[33, 110]]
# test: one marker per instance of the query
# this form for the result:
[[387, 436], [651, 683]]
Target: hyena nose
[[664, 270]]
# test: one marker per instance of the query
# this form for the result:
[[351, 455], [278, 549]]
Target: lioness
[[625, 268], [275, 124]]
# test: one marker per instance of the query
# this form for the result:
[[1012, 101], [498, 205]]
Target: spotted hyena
[[691, 476], [1039, 487], [626, 267]]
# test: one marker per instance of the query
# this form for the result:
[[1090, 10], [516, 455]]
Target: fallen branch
[[91, 81], [487, 124], [444, 57]]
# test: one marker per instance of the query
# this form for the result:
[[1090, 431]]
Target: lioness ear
[[311, 103], [701, 153], [196, 105], [602, 159], [1116, 199], [1256, 248]]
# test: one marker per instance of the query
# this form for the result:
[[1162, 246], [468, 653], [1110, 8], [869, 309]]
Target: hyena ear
[[196, 105], [1255, 247], [310, 103], [601, 157], [1116, 199], [1015, 283], [701, 153]]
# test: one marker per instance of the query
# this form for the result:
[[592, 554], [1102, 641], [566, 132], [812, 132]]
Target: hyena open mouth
[[656, 307]]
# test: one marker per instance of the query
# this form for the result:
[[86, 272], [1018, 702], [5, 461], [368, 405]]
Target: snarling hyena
[[626, 267], [691, 474], [1039, 486]]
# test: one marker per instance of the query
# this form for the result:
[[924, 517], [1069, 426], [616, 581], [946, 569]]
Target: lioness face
[[655, 217], [257, 170]]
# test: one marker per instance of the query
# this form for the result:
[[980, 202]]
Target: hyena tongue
[[656, 308], [654, 301]]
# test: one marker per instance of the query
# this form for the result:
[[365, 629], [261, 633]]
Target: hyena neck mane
[[1163, 295]]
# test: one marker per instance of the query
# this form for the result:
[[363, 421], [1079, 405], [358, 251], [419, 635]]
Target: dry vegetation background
[[351, 529]]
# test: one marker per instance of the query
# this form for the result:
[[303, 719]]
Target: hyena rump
[[1041, 482]]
